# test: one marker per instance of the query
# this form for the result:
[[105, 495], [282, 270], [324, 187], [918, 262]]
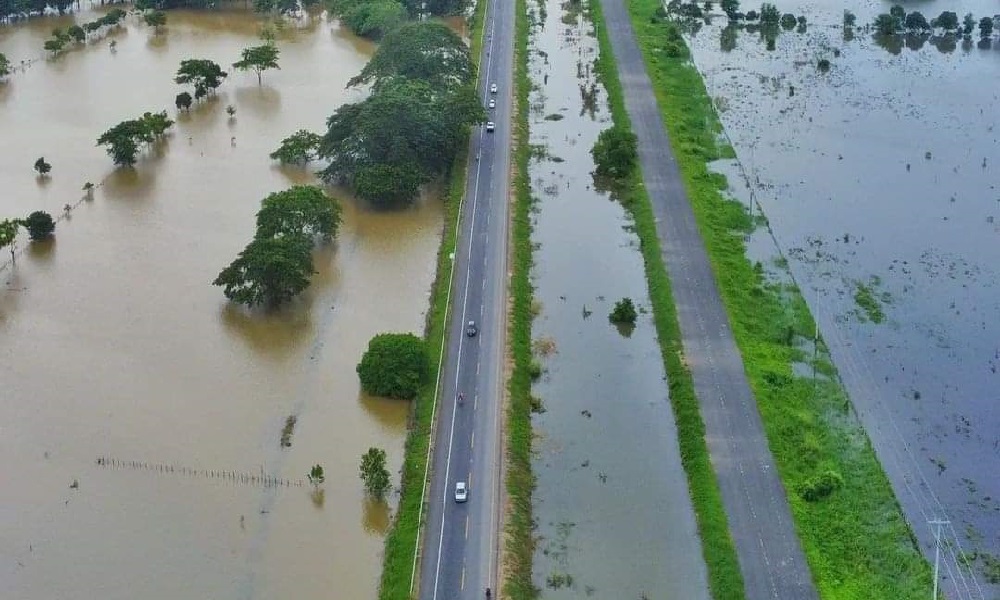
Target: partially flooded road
[[115, 344], [611, 501], [880, 189]]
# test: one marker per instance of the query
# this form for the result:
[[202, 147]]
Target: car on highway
[[461, 492], [491, 126], [493, 103], [471, 330], [493, 88]]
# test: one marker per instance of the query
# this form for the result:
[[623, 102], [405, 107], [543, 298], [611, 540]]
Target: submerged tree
[[374, 474], [124, 139], [300, 147], [203, 74], [302, 210], [183, 101], [269, 271], [615, 152], [395, 365], [316, 476], [258, 59], [8, 236], [4, 65], [40, 225], [42, 167], [624, 312], [155, 19], [425, 50]]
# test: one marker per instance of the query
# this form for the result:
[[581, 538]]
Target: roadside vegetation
[[519, 543], [401, 541], [394, 366], [855, 537], [724, 578], [375, 19]]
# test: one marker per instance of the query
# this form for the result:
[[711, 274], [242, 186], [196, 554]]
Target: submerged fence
[[259, 478]]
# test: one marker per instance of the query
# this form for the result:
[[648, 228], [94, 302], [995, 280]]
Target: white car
[[492, 103], [461, 492], [490, 126], [493, 88]]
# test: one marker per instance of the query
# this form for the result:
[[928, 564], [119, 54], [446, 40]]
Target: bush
[[624, 312], [395, 365], [39, 225], [615, 152], [820, 486]]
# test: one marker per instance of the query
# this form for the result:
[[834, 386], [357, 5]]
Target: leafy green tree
[[269, 271], [947, 20], [77, 33], [39, 225], [388, 186], [730, 7], [885, 24], [916, 22], [258, 59], [374, 19], [42, 167], [8, 236], [615, 152], [374, 474], [624, 312], [849, 19], [898, 13], [54, 46], [316, 476], [769, 15], [395, 365], [263, 6], [302, 210], [788, 21], [300, 147], [183, 101], [201, 73], [4, 65], [124, 139], [968, 24], [155, 19], [425, 50], [985, 30]]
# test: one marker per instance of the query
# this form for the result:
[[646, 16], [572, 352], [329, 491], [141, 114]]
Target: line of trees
[[276, 265], [408, 131], [11, 10], [79, 34], [376, 18], [40, 226], [898, 21], [125, 139]]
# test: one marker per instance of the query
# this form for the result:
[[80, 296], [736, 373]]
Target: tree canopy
[[302, 210], [183, 101], [40, 225], [124, 139], [615, 152], [155, 19], [369, 18], [4, 65], [395, 365], [258, 59], [42, 167], [269, 271], [300, 147], [203, 74], [424, 50], [8, 234], [374, 474]]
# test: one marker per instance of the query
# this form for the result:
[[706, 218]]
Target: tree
[[615, 152], [769, 15], [4, 65], [39, 225], [8, 236], [395, 365], [374, 19], [316, 476], [302, 210], [183, 101], [985, 30], [916, 22], [968, 24], [885, 24], [849, 19], [388, 185], [300, 147], [123, 140], [947, 20], [425, 50], [77, 33], [898, 13], [155, 19], [54, 46], [374, 474], [203, 74], [258, 59], [42, 167], [730, 7], [788, 21], [269, 271], [624, 312]]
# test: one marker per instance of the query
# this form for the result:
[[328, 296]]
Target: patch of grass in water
[[856, 540], [866, 300], [286, 431]]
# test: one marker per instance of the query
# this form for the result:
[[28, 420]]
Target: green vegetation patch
[[401, 542], [519, 549], [724, 578], [855, 537], [869, 301]]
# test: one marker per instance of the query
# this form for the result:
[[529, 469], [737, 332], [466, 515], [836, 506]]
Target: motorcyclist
[[488, 593], [461, 397]]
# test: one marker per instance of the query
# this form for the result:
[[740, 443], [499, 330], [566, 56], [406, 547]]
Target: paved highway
[[770, 555], [460, 544]]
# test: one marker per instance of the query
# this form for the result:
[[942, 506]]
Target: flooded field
[[613, 512], [141, 414], [878, 179]]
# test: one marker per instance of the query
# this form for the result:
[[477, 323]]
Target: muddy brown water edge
[[116, 346], [876, 184]]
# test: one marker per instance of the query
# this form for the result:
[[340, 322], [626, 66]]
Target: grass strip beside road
[[401, 541], [519, 543], [856, 539], [724, 578]]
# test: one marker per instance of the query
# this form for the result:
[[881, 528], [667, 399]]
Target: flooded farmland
[[614, 518], [141, 414], [878, 179]]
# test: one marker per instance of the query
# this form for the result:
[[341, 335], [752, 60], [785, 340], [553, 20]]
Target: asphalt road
[[460, 544], [770, 555]]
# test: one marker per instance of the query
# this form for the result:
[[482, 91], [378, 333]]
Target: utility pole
[[937, 523]]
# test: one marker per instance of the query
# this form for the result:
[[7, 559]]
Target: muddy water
[[115, 344], [883, 172], [611, 502]]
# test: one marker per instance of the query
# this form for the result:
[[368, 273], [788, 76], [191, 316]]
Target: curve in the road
[[460, 545], [771, 558]]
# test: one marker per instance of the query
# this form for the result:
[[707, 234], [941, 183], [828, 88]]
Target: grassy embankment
[[856, 540], [519, 543], [400, 543], [724, 577]]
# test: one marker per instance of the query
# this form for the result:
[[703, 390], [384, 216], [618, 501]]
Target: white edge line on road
[[444, 343], [458, 364]]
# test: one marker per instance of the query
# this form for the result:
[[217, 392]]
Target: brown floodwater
[[881, 173], [116, 346]]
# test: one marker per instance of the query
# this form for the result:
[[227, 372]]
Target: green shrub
[[820, 486], [624, 312], [395, 365]]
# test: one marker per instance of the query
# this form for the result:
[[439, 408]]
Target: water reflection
[[262, 100], [377, 516]]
